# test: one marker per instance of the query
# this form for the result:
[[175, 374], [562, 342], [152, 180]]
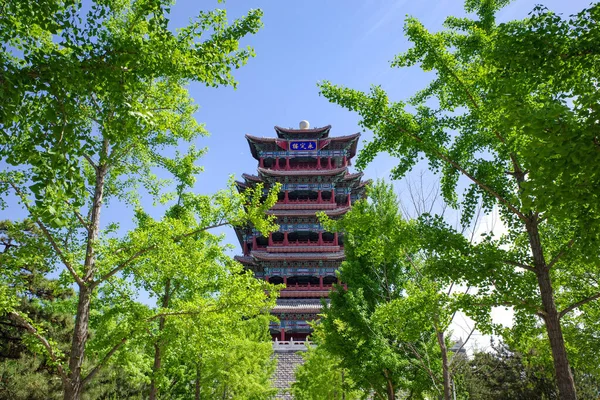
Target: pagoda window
[[277, 237], [300, 163], [303, 281], [276, 280], [329, 280], [303, 195], [303, 237], [328, 238], [269, 162], [262, 241]]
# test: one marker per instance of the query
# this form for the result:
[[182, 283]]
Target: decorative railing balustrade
[[291, 345]]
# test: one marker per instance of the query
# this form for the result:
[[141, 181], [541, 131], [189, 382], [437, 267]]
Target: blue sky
[[304, 42]]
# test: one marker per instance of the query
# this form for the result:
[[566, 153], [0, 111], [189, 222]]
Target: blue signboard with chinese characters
[[303, 145]]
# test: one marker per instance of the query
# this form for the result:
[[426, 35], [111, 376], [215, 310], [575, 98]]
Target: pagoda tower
[[312, 169]]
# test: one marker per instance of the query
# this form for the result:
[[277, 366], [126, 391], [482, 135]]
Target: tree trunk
[[391, 393], [343, 389], [224, 392], [445, 370], [197, 383], [158, 343], [74, 386], [564, 378]]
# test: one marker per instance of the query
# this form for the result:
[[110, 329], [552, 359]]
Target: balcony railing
[[308, 286], [305, 243], [291, 345]]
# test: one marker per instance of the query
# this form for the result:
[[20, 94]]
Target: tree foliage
[[94, 104], [320, 377], [510, 117], [384, 327]]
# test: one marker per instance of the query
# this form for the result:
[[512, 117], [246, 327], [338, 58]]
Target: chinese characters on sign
[[303, 145]]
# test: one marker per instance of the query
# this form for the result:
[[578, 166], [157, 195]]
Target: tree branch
[[466, 340], [80, 218], [423, 365], [517, 264], [145, 250], [578, 304], [561, 253], [453, 163], [90, 161], [175, 313], [108, 355], [49, 236], [32, 330]]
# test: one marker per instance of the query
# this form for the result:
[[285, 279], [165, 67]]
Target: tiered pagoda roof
[[312, 168], [349, 142], [287, 133]]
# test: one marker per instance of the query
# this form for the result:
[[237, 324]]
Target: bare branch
[[423, 365], [453, 163], [465, 342], [578, 304]]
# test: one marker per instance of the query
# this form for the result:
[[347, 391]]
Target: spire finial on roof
[[304, 124]]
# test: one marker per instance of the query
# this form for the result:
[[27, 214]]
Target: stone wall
[[287, 361]]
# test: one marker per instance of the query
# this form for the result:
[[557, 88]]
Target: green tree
[[512, 116], [321, 377], [26, 372], [362, 325], [94, 98], [504, 373]]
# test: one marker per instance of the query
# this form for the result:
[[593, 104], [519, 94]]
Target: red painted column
[[254, 244], [349, 200], [335, 239], [345, 161], [318, 162], [320, 282], [285, 239], [262, 162], [320, 238], [276, 162], [285, 280], [270, 239], [329, 162], [282, 338], [245, 248], [287, 163], [286, 197], [332, 200], [319, 197]]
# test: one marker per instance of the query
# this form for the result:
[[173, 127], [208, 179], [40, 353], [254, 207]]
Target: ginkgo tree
[[510, 116], [94, 101]]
